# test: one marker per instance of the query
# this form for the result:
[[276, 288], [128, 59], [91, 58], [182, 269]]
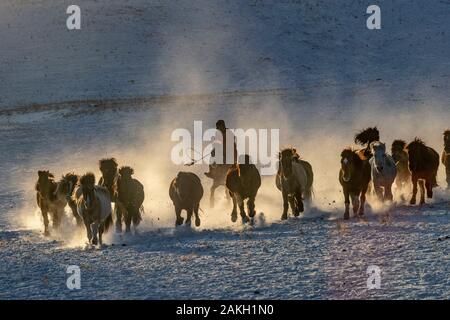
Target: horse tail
[[107, 223]]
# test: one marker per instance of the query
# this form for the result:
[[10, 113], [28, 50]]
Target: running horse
[[294, 179], [110, 175], [423, 164]]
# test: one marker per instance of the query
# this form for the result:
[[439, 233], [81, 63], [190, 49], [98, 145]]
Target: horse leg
[[189, 216], [251, 207], [234, 212], [211, 196], [285, 205], [347, 204], [100, 233], [56, 217], [179, 220], [197, 218], [447, 173], [88, 231], [414, 192], [378, 190], [127, 215], [242, 212], [118, 215], [355, 203], [429, 188], [45, 217], [422, 191], [388, 192], [299, 200], [291, 199], [94, 228], [362, 201]]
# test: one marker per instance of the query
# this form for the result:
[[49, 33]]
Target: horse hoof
[[233, 217], [197, 222], [284, 217], [412, 202], [46, 233], [346, 216], [94, 242]]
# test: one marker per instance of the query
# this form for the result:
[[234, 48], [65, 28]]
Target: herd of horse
[[361, 170]]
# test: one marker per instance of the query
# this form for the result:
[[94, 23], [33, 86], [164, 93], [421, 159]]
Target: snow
[[138, 70]]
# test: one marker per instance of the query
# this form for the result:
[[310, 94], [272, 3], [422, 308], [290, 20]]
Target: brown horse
[[403, 178], [294, 179], [67, 186], [49, 200], [94, 207], [218, 174], [446, 156], [243, 181], [130, 196], [186, 191], [423, 164], [354, 177]]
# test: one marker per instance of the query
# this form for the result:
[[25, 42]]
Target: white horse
[[94, 207], [384, 171]]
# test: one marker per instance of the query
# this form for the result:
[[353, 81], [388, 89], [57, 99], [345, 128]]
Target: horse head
[[108, 168], [286, 156], [397, 149], [416, 150], [378, 150], [87, 183], [126, 172], [66, 185], [349, 162], [45, 182]]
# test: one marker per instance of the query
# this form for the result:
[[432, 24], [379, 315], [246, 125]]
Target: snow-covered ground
[[308, 68]]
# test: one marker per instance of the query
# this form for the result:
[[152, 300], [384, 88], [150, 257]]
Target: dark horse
[[130, 195], [67, 186], [365, 138], [400, 156], [186, 191], [423, 164], [243, 181], [446, 156], [218, 175], [108, 180], [354, 177], [294, 179], [50, 200]]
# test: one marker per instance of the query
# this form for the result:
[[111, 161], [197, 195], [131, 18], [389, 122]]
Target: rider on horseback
[[221, 140]]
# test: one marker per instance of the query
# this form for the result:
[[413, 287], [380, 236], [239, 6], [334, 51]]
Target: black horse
[[354, 177], [423, 164]]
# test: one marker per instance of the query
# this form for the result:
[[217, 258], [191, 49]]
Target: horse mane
[[106, 163], [398, 145], [126, 171], [87, 179], [367, 135], [416, 144], [294, 151]]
